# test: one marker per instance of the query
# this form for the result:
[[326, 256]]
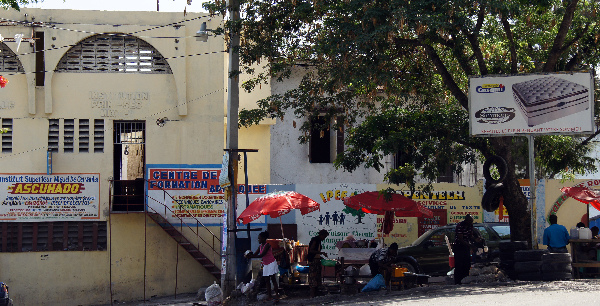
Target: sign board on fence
[[557, 103], [57, 197]]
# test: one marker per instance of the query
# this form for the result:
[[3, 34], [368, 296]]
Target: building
[[95, 102]]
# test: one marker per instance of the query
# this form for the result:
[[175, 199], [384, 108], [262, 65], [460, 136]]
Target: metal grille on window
[[131, 132], [68, 135], [84, 135], [9, 62], [7, 137], [53, 134], [53, 236], [117, 53], [98, 135]]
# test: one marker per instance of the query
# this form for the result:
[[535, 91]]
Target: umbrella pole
[[281, 223]]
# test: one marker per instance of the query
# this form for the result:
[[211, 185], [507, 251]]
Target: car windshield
[[503, 231]]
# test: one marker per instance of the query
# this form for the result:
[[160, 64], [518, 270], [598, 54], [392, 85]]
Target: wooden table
[[578, 261]]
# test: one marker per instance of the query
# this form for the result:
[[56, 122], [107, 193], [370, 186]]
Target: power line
[[109, 129]]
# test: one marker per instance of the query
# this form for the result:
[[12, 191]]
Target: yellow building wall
[[142, 260], [56, 278], [144, 255]]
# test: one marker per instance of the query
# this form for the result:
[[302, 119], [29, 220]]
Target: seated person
[[595, 230], [382, 261]]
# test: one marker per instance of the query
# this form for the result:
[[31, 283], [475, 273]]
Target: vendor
[[314, 261], [382, 261]]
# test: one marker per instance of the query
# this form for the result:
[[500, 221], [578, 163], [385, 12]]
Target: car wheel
[[552, 276], [500, 164], [527, 266], [491, 198], [530, 255], [512, 246], [557, 257], [531, 276], [411, 267], [554, 267]]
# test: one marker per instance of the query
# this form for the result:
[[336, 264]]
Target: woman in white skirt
[[269, 263]]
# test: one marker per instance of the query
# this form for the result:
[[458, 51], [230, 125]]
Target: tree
[[396, 72], [355, 212], [15, 3]]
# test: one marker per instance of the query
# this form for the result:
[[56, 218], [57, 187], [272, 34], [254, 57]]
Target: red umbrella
[[372, 202], [583, 195], [277, 204]]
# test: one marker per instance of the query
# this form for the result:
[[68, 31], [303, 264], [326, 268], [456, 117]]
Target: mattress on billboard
[[549, 98]]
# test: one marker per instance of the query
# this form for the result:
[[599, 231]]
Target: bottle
[[574, 232]]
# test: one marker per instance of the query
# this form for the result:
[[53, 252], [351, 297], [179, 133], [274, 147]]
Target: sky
[[121, 5]]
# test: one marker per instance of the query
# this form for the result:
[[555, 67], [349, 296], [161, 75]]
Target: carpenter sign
[[558, 103], [41, 197]]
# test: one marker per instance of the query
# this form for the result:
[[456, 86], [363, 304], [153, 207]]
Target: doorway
[[129, 164]]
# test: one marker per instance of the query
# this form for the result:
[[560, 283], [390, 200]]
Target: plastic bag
[[248, 286], [214, 294], [374, 284], [365, 270]]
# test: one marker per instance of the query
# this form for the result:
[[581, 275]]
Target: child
[[269, 263]]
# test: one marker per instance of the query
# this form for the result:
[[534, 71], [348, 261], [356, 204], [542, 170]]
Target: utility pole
[[233, 102]]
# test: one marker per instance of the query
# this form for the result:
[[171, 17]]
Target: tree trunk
[[514, 200]]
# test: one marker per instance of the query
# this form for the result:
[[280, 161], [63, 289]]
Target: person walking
[[269, 264], [463, 237], [314, 261], [556, 236]]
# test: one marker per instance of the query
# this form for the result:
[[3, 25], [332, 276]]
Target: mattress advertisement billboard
[[557, 103]]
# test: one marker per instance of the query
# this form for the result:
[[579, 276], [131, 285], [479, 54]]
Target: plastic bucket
[[451, 261]]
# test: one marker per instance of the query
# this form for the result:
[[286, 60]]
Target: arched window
[[9, 62], [117, 53]]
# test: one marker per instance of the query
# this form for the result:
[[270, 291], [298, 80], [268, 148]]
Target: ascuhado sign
[[57, 197], [558, 103]]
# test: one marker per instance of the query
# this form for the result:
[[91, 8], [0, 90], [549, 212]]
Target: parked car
[[429, 253]]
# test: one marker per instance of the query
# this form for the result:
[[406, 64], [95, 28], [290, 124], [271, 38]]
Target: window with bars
[[53, 236], [114, 53], [84, 135], [53, 134], [7, 124], [68, 135], [98, 135], [9, 62]]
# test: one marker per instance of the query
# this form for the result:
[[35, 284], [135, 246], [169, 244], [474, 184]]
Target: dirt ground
[[584, 292], [557, 293]]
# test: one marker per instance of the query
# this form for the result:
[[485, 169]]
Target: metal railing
[[167, 210]]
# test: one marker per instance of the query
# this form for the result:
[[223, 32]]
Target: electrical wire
[[110, 129]]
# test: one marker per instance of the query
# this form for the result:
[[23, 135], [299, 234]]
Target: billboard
[[557, 103], [56, 197]]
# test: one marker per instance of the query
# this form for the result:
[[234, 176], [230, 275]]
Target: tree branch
[[559, 40], [447, 77], [511, 44], [472, 37]]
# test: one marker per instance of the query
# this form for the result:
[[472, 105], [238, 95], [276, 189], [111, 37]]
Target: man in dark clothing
[[382, 258], [314, 261], [464, 236]]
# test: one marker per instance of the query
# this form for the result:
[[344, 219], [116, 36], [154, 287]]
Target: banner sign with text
[[191, 192], [57, 197]]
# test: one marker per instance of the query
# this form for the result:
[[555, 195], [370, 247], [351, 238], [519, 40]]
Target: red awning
[[583, 195]]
